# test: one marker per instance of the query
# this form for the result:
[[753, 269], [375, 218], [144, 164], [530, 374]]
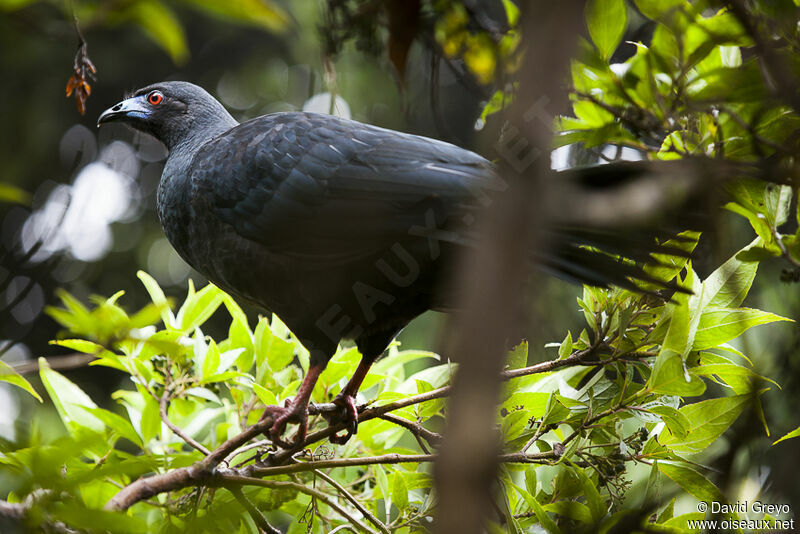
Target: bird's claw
[[348, 416], [283, 415]]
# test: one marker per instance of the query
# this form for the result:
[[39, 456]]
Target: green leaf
[[278, 352], [199, 307], [518, 356], [399, 491], [671, 377], [210, 361], [708, 420], [383, 484], [512, 525], [544, 520], [691, 481], [69, 401], [264, 395], [262, 13], [669, 266], [162, 26], [79, 345], [728, 285], [606, 20], [720, 325], [597, 505], [565, 349], [657, 9], [151, 419], [157, 296], [677, 423], [8, 374], [793, 434], [116, 423], [571, 509]]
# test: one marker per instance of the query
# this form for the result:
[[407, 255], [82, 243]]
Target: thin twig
[[784, 251], [254, 512], [228, 479], [415, 428], [347, 495], [163, 403]]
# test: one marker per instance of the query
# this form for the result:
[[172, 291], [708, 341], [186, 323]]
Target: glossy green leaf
[[677, 423], [720, 325], [9, 375], [199, 307], [157, 296], [606, 20], [69, 401], [729, 284], [670, 376], [708, 420], [691, 481]]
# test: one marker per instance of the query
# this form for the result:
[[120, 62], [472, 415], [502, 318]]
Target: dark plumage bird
[[342, 229]]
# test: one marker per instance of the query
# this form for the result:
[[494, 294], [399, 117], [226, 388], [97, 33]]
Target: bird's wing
[[333, 191], [315, 185]]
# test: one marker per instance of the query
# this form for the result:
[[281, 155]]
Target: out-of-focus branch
[[59, 363], [498, 268]]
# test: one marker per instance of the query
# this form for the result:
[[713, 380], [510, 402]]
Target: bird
[[344, 230]]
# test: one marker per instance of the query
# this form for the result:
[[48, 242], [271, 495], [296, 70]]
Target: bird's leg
[[296, 411], [347, 400]]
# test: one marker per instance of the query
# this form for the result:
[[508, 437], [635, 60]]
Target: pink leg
[[295, 412], [347, 400]]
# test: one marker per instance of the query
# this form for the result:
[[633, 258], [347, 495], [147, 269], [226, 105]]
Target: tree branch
[[163, 404], [202, 472]]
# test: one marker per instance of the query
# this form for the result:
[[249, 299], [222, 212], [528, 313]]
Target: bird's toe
[[282, 416]]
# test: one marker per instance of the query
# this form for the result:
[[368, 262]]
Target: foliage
[[572, 428], [157, 18]]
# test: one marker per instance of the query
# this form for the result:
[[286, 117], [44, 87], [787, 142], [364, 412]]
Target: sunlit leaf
[[69, 401], [8, 374], [606, 20]]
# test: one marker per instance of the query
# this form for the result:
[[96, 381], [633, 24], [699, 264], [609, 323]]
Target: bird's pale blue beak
[[127, 110]]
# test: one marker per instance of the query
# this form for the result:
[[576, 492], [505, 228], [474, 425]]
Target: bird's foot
[[293, 412], [348, 415]]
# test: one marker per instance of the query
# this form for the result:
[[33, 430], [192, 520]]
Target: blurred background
[[78, 203]]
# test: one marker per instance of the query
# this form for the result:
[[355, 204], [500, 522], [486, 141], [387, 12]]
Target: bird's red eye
[[155, 98]]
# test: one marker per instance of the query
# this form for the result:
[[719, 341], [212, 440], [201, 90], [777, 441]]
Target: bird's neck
[[208, 121]]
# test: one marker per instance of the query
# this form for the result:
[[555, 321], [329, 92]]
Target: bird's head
[[172, 112]]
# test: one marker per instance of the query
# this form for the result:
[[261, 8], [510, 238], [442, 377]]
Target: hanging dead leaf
[[83, 70]]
